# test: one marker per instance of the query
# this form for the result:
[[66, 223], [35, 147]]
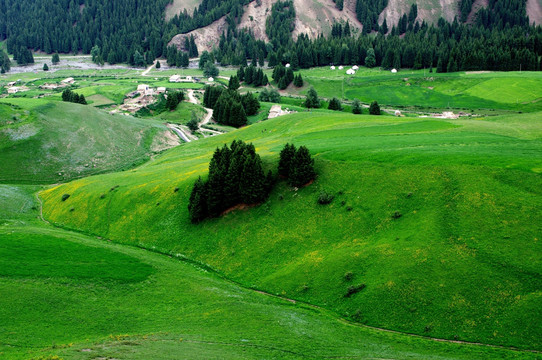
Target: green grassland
[[51, 141], [462, 261], [76, 297], [512, 91]]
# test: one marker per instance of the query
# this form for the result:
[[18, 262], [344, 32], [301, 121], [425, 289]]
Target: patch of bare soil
[[206, 38], [238, 207], [534, 11], [476, 5], [255, 16], [164, 141], [314, 17], [448, 9]]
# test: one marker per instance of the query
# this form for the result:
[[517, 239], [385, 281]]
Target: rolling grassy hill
[[50, 141], [437, 221], [71, 296]]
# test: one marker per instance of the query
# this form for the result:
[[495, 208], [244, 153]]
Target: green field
[[77, 297], [436, 222], [470, 92], [463, 261]]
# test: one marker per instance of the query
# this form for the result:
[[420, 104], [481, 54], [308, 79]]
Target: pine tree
[[312, 100], [370, 59], [285, 161], [55, 59], [374, 109], [334, 104], [233, 83], [197, 204], [302, 168], [82, 100], [356, 107], [158, 64], [45, 67]]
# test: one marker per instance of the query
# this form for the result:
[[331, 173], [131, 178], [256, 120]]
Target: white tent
[[211, 79], [287, 65], [394, 71], [355, 67], [341, 67], [332, 67], [350, 72]]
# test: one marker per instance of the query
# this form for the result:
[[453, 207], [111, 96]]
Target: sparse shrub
[[305, 287], [349, 208], [102, 196], [428, 328], [176, 189], [396, 215], [281, 197], [354, 289], [343, 203], [325, 198], [348, 276], [65, 197], [72, 209]]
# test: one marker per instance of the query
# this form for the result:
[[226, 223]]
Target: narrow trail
[[192, 99], [321, 310], [145, 73]]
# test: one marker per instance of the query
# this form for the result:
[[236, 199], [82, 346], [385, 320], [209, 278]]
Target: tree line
[[71, 96], [229, 107]]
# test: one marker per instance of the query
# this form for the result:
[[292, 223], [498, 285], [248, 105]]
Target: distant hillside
[[51, 142]]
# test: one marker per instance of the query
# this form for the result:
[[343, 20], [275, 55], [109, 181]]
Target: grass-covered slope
[[470, 91], [66, 295], [50, 141], [462, 261]]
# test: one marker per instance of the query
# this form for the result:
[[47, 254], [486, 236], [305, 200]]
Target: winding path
[[145, 73]]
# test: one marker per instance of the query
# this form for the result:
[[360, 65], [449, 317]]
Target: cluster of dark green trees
[[23, 56], [269, 95], [173, 99], [71, 96], [229, 107], [236, 176], [296, 165], [283, 76], [252, 75]]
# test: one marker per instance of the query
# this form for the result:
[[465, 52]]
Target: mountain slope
[[438, 222], [51, 141]]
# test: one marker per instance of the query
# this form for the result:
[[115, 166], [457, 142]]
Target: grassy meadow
[[461, 262], [434, 230]]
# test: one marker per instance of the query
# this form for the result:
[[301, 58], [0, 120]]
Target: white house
[[175, 78], [10, 84], [161, 90], [13, 90], [394, 71], [69, 80], [143, 88], [189, 78]]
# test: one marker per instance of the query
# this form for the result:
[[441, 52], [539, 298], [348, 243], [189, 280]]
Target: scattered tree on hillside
[[193, 124], [45, 67], [296, 165], [5, 62], [356, 107], [70, 96], [334, 104], [173, 99], [312, 100], [210, 70], [298, 81], [374, 109], [55, 59], [269, 95], [233, 83], [158, 64]]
